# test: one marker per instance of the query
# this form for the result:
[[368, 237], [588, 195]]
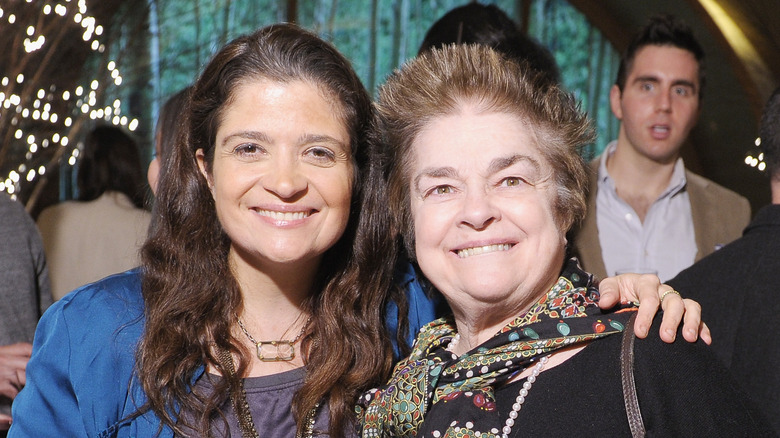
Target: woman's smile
[[284, 216], [484, 249]]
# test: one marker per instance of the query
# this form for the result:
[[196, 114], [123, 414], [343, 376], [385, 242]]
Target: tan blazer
[[86, 241], [719, 216]]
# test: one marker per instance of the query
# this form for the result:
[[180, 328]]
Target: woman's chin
[[494, 293]]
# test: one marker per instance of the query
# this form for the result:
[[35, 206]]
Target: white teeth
[[468, 252], [660, 128], [283, 216]]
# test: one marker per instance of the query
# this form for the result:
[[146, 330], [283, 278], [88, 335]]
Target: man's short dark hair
[[769, 131], [662, 30]]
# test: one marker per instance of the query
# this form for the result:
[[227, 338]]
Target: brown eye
[[443, 190], [247, 150], [321, 153], [513, 181], [320, 156]]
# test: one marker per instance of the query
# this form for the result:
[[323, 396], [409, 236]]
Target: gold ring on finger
[[670, 291]]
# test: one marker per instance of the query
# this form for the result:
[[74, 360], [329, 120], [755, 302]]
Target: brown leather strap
[[627, 376]]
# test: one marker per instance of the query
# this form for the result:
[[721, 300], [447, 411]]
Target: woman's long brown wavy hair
[[192, 297]]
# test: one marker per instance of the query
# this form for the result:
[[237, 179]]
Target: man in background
[[646, 212], [738, 290], [24, 296]]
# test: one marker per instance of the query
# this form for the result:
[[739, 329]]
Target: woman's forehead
[[482, 135]]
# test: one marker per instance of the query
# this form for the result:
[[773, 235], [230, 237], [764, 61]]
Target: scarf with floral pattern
[[456, 394]]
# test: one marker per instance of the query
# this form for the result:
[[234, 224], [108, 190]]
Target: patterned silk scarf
[[456, 394]]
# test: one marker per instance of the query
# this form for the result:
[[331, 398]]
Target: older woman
[[485, 180]]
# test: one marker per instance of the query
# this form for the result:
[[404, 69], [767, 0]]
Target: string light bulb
[[755, 159], [35, 108]]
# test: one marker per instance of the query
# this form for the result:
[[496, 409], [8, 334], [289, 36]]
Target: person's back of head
[[666, 31], [169, 122], [490, 26], [110, 161], [769, 132], [169, 125]]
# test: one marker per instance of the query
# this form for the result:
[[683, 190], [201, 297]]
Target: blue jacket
[[80, 378], [423, 308]]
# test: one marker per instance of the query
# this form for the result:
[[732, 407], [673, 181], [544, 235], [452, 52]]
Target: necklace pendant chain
[[282, 350], [285, 350]]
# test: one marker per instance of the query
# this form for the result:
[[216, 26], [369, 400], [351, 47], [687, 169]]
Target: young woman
[[246, 273]]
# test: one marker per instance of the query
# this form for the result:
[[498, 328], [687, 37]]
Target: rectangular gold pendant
[[275, 351]]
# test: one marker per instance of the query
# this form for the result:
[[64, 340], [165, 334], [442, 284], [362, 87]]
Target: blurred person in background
[[24, 295], [488, 25], [168, 126], [642, 201], [736, 287], [100, 233]]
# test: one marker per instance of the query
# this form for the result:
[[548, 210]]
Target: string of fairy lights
[[80, 102], [757, 161]]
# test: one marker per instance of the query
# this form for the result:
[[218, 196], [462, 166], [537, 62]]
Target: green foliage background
[[190, 31]]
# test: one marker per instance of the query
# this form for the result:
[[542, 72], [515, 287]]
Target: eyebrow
[[499, 164], [251, 135], [646, 79], [434, 172], [321, 138], [685, 83]]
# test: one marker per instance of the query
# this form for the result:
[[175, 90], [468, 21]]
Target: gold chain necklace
[[241, 405], [284, 349]]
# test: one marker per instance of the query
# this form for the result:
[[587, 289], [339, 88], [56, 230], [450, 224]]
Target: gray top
[[24, 277], [270, 401]]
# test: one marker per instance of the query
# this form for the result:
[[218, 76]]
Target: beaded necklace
[[518, 404], [529, 382]]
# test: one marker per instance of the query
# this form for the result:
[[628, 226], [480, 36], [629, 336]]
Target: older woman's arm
[[648, 290]]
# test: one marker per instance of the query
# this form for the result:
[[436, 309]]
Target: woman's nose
[[479, 211], [285, 178]]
